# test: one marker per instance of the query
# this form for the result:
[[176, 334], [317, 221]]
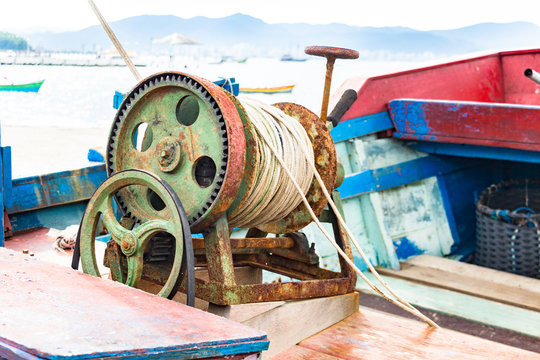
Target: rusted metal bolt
[[125, 244], [168, 154], [331, 54]]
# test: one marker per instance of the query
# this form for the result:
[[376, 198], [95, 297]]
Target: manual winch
[[185, 156]]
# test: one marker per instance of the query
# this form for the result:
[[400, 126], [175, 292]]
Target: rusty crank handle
[[331, 54], [347, 99]]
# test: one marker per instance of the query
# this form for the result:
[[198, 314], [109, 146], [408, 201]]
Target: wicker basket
[[507, 227]]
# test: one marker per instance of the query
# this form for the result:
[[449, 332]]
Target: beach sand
[[43, 150]]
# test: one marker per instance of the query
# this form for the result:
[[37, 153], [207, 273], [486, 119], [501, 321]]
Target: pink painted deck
[[370, 334], [51, 311]]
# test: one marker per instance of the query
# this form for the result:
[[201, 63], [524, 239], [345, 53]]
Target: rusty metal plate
[[325, 163]]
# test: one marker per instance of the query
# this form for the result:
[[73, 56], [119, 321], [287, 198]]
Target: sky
[[62, 15]]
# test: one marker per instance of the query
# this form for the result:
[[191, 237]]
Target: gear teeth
[[139, 92]]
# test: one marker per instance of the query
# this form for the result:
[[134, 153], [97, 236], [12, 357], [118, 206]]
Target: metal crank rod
[[331, 54]]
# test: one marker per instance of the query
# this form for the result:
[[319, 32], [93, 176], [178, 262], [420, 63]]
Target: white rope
[[273, 196], [398, 301], [115, 41]]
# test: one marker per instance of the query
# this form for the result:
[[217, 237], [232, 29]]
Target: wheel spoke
[[114, 258], [149, 228], [135, 268], [114, 228]]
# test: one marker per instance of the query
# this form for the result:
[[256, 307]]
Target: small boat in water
[[289, 57], [270, 90], [30, 87]]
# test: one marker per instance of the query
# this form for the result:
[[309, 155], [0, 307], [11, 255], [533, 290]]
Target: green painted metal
[[192, 138], [161, 110], [219, 253], [132, 242]]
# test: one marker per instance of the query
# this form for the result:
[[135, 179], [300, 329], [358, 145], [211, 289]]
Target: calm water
[[81, 97]]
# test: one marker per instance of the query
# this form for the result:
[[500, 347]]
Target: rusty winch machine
[[185, 157]]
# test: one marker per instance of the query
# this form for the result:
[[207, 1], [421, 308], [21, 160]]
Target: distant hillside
[[243, 35], [12, 42]]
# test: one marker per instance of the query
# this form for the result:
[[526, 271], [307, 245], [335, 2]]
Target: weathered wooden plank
[[475, 151], [471, 279], [50, 311], [7, 181], [361, 126], [370, 334], [400, 174], [469, 283], [64, 187], [466, 306], [486, 124]]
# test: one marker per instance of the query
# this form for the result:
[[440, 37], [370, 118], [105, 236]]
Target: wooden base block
[[288, 322]]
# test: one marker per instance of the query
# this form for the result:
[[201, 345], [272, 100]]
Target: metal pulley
[[129, 243]]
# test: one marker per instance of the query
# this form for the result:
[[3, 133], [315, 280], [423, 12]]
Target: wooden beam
[[363, 125], [471, 279], [513, 126], [466, 306], [38, 192], [291, 321], [400, 174]]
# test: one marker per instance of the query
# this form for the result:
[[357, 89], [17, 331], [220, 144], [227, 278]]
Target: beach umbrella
[[175, 39]]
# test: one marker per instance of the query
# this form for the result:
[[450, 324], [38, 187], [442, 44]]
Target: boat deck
[[52, 312], [371, 334], [374, 334]]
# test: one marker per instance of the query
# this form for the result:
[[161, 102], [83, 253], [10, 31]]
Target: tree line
[[10, 41]]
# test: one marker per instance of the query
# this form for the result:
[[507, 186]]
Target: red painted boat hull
[[485, 101]]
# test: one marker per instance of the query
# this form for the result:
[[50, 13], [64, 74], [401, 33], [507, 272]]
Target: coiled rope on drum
[[273, 195], [262, 113]]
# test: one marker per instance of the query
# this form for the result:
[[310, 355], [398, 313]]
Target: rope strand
[[398, 301], [273, 196]]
